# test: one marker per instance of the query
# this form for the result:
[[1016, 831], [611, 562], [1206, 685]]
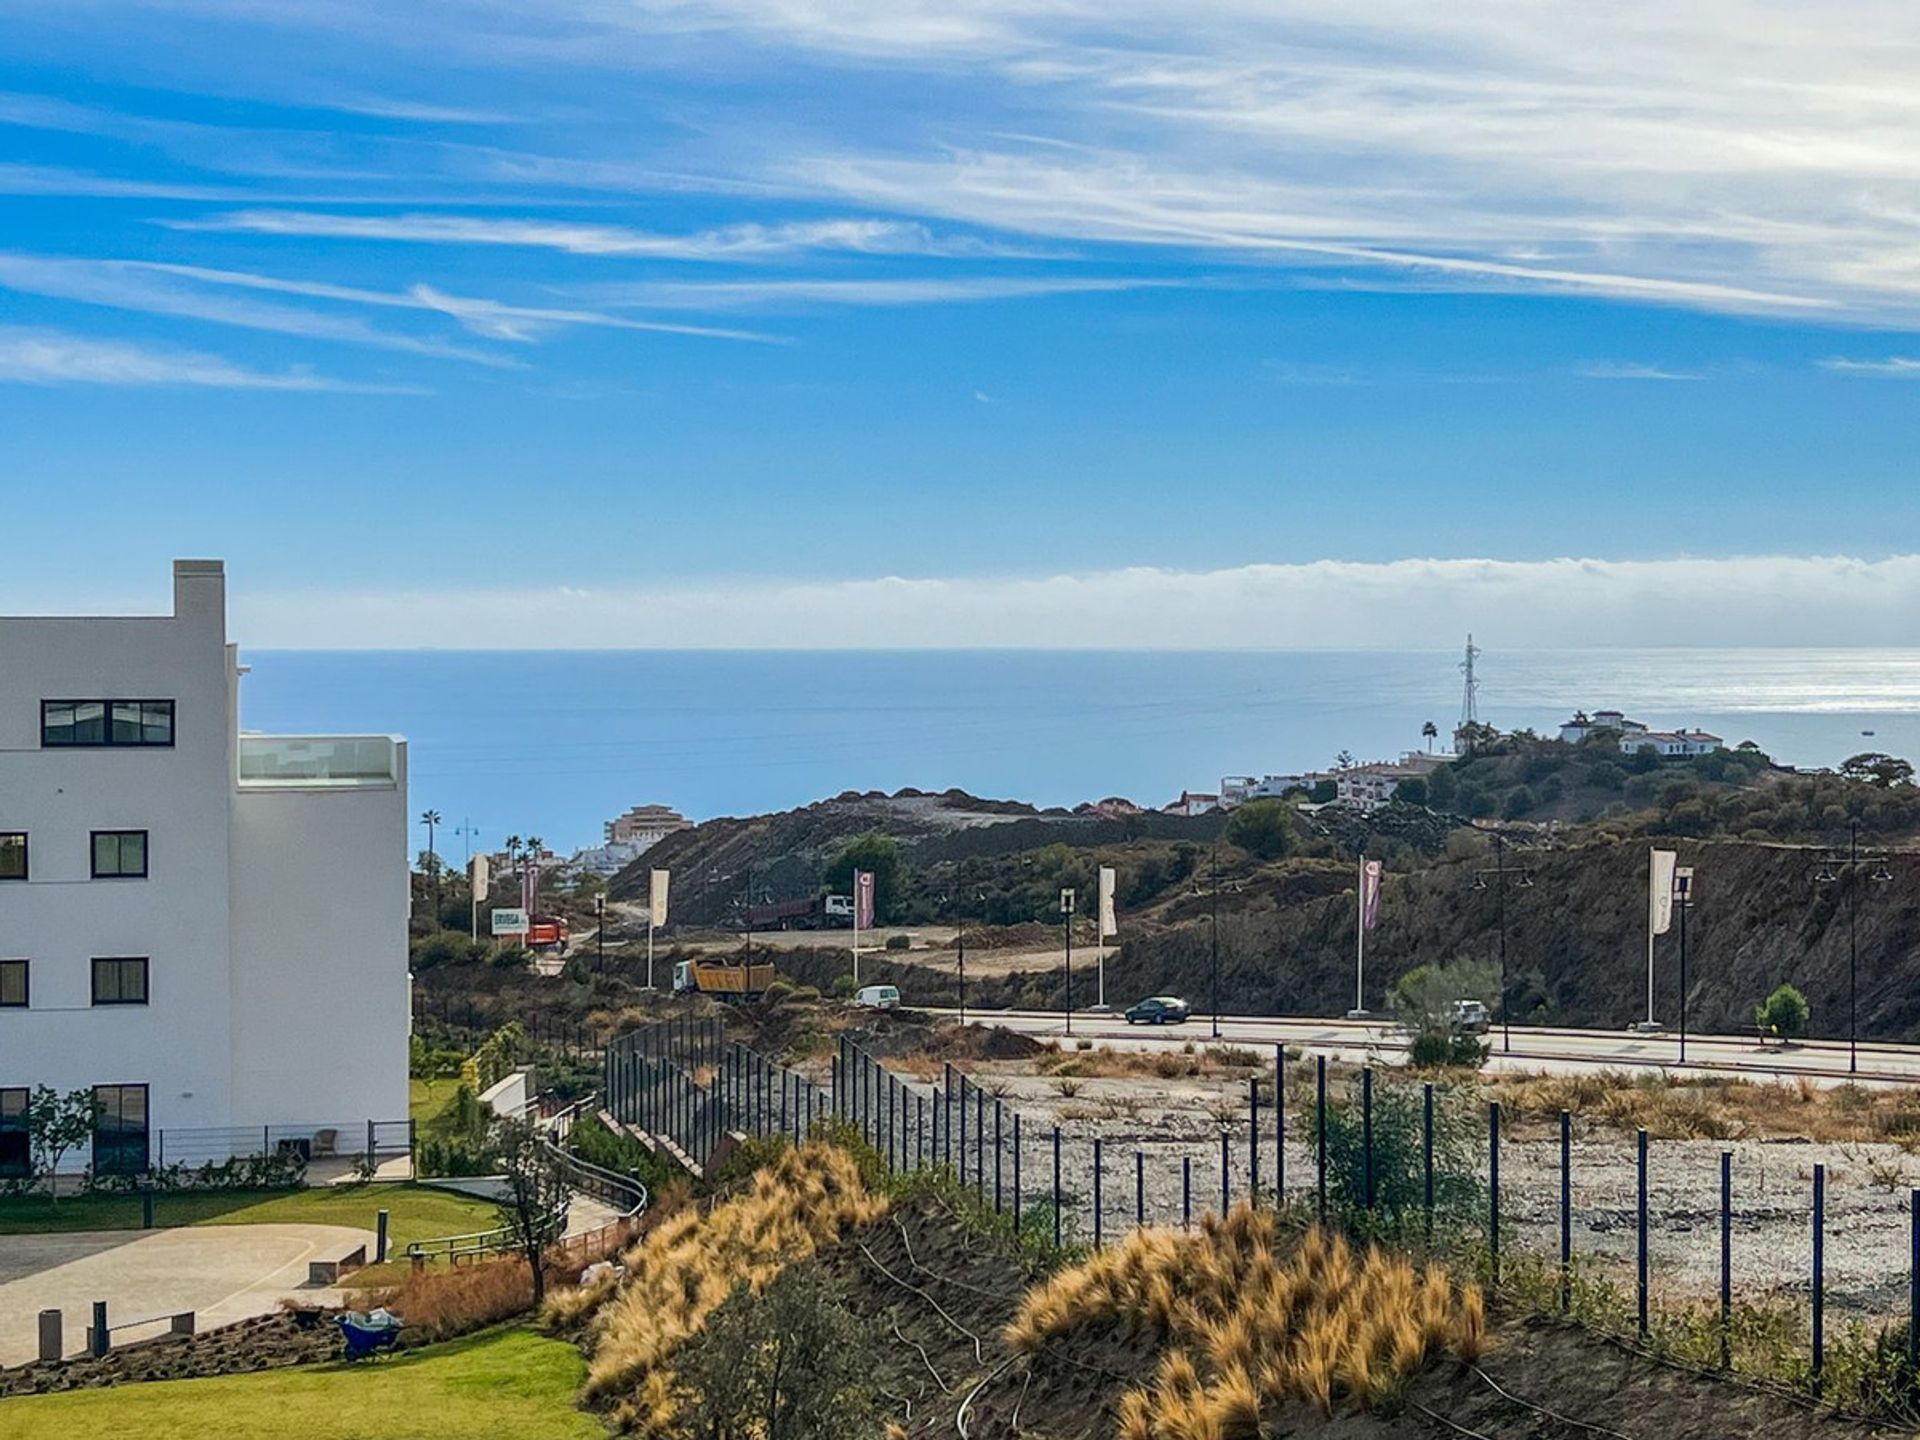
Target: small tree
[[878, 853], [534, 1207], [788, 1364], [1785, 1013], [56, 1124], [1411, 791], [1875, 767], [1263, 828]]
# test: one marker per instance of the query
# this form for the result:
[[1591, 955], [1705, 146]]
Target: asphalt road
[[1531, 1048]]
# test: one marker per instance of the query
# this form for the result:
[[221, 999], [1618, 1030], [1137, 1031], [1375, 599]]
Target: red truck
[[548, 934]]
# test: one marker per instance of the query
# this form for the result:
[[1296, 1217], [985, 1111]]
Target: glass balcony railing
[[316, 761]]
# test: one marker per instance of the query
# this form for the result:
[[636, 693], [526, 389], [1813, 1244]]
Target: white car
[[877, 997]]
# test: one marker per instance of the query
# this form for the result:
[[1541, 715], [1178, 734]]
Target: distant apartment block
[[645, 826], [206, 928]]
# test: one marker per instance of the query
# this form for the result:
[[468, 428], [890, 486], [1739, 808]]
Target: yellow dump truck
[[721, 980]]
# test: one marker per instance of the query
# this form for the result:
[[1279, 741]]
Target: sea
[[553, 743]]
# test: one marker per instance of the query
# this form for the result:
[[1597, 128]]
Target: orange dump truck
[[721, 980]]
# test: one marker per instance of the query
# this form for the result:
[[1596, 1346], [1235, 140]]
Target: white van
[[877, 997]]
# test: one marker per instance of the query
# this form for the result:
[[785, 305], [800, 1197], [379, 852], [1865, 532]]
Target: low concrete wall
[[512, 1095]]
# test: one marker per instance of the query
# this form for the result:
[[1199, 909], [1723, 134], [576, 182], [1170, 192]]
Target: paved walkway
[[221, 1272]]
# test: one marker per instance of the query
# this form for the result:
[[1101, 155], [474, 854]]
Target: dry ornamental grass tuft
[[1249, 1326], [683, 1270]]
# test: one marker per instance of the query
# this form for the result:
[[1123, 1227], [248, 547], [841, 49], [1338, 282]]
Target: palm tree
[[431, 818], [1429, 732]]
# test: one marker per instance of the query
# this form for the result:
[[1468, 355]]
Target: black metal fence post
[[1139, 1187], [1186, 1192], [1726, 1261], [998, 1121], [1642, 1186], [1253, 1138], [1280, 1124], [1226, 1156], [1493, 1188], [1320, 1119], [980, 1144], [1819, 1278]]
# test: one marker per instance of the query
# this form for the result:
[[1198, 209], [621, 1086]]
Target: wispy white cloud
[[1633, 370], [1766, 600], [54, 357], [162, 290], [809, 294], [1894, 367], [726, 243], [202, 293]]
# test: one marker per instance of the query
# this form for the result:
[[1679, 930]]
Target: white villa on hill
[[1635, 736]]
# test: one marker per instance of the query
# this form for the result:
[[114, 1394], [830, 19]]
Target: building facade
[[206, 928]]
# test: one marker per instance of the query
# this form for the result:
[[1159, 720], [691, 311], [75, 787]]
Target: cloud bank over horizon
[[1776, 601]]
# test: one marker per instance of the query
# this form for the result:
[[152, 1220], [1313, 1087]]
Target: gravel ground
[[1168, 1122]]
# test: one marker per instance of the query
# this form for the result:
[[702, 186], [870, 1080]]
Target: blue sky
[[988, 321]]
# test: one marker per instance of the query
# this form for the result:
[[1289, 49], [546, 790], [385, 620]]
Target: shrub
[[789, 1361], [1263, 828], [1784, 1014], [445, 947], [899, 942], [1397, 1157]]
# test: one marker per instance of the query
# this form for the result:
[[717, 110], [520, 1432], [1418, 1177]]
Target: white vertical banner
[[530, 888], [1660, 891], [1108, 929], [657, 896], [479, 877], [1370, 871]]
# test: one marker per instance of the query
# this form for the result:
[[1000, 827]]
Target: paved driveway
[[221, 1272]]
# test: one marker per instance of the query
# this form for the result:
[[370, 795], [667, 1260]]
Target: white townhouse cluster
[[205, 927]]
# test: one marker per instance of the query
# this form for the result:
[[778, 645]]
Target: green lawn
[[509, 1384], [428, 1100], [418, 1212]]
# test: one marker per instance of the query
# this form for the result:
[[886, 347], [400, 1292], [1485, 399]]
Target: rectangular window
[[14, 1156], [119, 1129], [13, 855], [13, 984], [106, 722], [119, 853], [120, 980]]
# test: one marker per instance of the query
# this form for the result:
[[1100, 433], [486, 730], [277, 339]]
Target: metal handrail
[[607, 1186]]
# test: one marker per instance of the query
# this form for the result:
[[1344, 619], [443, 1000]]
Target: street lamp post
[[1500, 870], [1213, 868], [1683, 902], [600, 931], [1066, 924], [1831, 868]]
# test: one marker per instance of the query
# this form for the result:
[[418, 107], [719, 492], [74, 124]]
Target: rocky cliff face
[[1576, 942]]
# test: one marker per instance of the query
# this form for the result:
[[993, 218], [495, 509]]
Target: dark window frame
[[107, 740], [26, 855], [146, 978], [101, 1113], [93, 855], [23, 1165], [25, 1002]]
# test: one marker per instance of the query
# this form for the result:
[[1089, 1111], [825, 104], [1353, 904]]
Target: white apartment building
[[206, 927]]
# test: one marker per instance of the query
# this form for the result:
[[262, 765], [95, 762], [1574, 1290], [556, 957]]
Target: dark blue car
[[1157, 1010]]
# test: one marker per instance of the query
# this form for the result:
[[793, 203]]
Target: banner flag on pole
[[657, 897], [529, 888], [1369, 893], [863, 899], [1108, 929], [480, 877], [1660, 891]]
